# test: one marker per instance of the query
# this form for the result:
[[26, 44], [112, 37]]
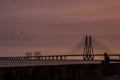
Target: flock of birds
[[23, 35]]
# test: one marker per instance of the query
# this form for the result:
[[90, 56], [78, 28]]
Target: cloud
[[50, 23], [24, 12]]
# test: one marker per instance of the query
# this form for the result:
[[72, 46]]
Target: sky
[[56, 26]]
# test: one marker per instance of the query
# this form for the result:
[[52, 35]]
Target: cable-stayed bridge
[[81, 63], [87, 47]]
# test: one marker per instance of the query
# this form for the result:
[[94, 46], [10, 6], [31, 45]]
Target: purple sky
[[55, 26]]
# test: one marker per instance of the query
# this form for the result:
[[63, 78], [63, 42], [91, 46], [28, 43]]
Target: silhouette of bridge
[[87, 54], [48, 67]]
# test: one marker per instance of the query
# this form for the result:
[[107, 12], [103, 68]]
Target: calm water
[[7, 63]]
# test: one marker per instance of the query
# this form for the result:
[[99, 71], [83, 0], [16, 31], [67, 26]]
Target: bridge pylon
[[88, 53]]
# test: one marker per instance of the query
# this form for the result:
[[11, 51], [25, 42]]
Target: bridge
[[83, 66], [88, 54], [58, 57]]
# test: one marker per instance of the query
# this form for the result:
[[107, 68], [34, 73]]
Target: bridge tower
[[28, 55], [88, 53]]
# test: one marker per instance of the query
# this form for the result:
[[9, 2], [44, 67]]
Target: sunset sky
[[56, 26]]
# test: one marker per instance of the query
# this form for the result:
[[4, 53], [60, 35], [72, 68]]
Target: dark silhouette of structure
[[37, 54], [88, 53], [28, 55]]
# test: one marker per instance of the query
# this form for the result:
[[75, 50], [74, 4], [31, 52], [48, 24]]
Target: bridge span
[[59, 57]]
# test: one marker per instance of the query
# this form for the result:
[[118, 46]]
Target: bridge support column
[[88, 53]]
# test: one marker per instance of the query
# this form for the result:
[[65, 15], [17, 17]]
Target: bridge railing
[[114, 57]]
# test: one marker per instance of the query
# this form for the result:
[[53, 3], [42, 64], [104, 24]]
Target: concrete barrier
[[60, 72]]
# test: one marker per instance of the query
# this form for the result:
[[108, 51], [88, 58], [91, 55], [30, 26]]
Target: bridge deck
[[51, 60], [57, 57]]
